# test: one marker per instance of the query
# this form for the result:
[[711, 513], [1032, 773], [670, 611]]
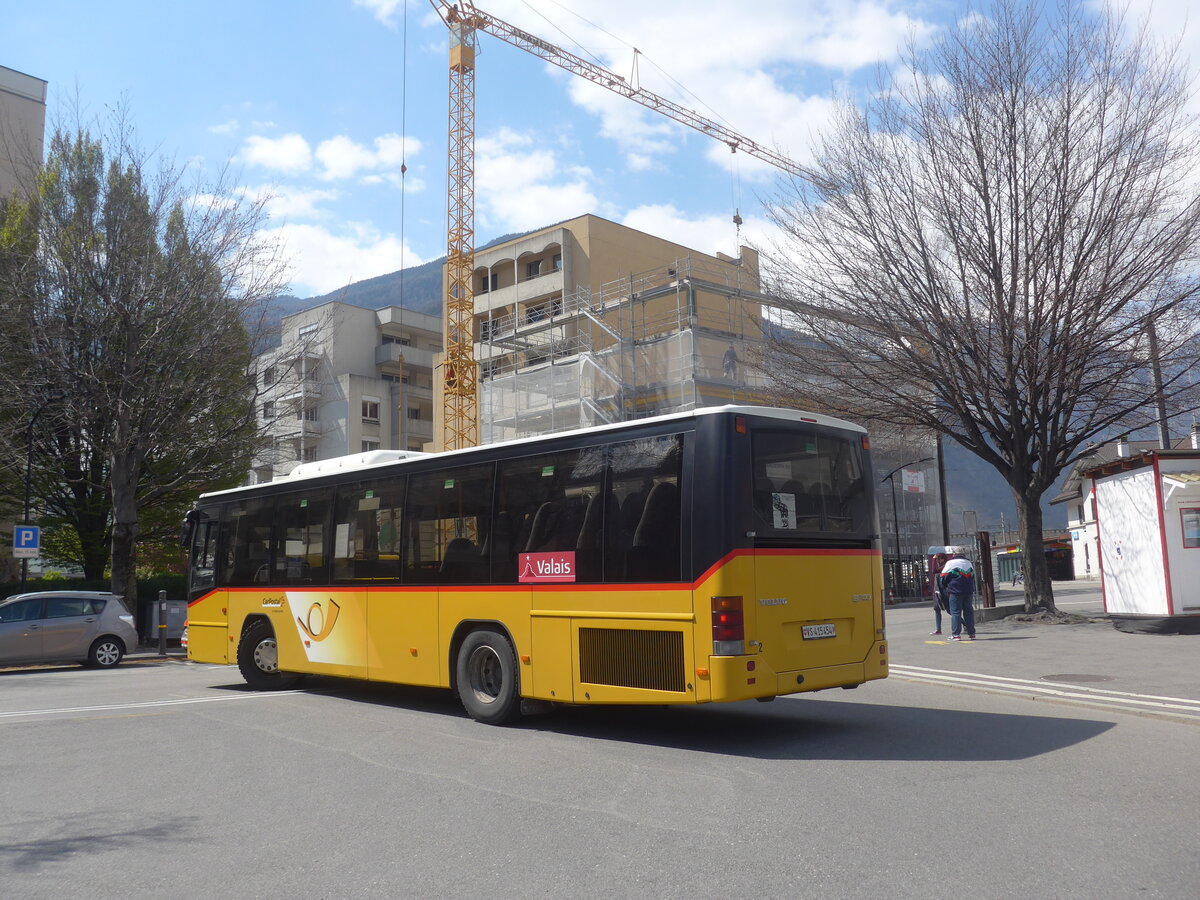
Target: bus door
[[400, 628], [325, 628], [814, 563]]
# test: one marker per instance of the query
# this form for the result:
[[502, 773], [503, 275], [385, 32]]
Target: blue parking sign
[[27, 541]]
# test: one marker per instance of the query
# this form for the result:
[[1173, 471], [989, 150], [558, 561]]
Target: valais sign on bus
[[547, 568]]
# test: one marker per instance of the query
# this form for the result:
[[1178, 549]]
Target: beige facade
[[344, 380], [22, 129], [588, 322]]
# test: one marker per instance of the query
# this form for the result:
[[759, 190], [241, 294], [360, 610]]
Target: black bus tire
[[487, 678], [258, 659]]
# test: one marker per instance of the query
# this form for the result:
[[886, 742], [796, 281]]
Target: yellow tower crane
[[464, 19]]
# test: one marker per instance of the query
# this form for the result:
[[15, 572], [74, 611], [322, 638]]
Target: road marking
[[146, 704], [1146, 704]]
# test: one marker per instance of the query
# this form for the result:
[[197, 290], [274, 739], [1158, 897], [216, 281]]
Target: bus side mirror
[[186, 527]]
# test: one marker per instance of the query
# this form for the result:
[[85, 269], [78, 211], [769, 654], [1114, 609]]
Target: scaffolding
[[668, 340]]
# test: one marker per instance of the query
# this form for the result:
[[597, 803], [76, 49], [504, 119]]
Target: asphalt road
[[169, 778]]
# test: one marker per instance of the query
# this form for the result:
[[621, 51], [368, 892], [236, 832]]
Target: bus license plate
[[813, 632]]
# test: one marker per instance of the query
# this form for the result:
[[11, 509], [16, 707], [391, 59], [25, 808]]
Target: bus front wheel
[[258, 659], [486, 671]]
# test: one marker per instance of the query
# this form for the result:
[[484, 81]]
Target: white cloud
[[291, 202], [751, 72], [290, 153], [323, 260], [518, 187], [228, 127], [342, 158], [707, 234], [383, 10], [345, 158]]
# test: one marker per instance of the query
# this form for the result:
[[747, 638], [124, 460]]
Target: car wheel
[[258, 659], [486, 671], [105, 653]]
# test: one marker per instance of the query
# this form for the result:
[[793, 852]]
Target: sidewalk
[[149, 653], [1092, 652]]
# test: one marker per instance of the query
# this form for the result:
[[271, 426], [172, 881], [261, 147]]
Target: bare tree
[[992, 239], [134, 298]]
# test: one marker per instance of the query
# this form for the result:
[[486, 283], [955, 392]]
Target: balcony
[[401, 355], [542, 285]]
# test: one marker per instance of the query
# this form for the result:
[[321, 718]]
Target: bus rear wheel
[[258, 659], [486, 671]]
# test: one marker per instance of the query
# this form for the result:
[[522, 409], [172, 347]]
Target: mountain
[[418, 288], [972, 484]]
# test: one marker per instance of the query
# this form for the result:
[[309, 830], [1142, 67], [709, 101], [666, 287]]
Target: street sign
[[27, 542]]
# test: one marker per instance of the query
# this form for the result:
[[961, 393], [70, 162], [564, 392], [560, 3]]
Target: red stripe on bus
[[779, 551], [562, 586]]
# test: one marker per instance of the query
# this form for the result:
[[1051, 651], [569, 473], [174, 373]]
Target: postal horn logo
[[319, 622]]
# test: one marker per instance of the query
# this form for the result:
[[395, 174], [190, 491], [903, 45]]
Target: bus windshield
[[809, 481]]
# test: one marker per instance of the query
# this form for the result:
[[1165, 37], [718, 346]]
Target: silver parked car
[[65, 626]]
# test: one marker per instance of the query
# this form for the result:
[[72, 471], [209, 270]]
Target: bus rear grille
[[628, 658]]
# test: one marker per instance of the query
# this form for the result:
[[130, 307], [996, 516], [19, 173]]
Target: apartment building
[[22, 128], [587, 322], [346, 379]]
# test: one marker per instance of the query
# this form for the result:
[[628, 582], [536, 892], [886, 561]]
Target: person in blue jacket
[[958, 582]]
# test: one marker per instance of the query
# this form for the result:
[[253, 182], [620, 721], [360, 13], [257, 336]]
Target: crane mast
[[460, 415], [464, 19]]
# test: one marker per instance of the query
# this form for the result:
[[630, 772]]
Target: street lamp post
[[50, 398], [895, 513]]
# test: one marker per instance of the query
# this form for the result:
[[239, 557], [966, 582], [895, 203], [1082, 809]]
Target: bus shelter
[[1148, 518]]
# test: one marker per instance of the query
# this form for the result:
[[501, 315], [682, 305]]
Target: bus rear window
[[807, 480]]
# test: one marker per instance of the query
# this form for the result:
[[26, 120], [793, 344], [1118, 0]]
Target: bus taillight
[[729, 626]]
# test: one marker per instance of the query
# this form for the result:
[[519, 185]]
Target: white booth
[[1148, 518]]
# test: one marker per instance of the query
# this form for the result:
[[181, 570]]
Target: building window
[[368, 446], [1190, 517], [268, 409], [557, 262], [370, 409], [307, 331], [488, 282], [535, 314], [307, 414], [533, 268], [268, 376], [308, 454], [414, 412], [393, 339]]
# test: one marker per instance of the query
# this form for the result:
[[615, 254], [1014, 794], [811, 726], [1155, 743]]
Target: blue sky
[[319, 101]]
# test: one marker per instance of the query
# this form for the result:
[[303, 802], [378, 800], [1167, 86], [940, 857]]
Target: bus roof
[[359, 462]]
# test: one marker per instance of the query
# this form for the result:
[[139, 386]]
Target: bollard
[[162, 623]]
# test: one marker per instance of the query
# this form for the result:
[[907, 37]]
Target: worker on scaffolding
[[729, 364]]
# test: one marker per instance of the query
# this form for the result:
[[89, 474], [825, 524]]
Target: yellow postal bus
[[719, 555]]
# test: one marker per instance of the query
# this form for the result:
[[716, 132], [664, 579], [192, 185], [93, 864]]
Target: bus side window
[[646, 479], [448, 516], [247, 527], [300, 527], [366, 531], [542, 506]]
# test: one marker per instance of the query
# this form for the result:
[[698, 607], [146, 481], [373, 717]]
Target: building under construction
[[588, 322]]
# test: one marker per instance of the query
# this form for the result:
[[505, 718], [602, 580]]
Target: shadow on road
[[789, 728]]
